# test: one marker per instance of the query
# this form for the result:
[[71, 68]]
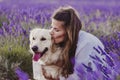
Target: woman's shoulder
[[86, 43], [85, 37], [84, 34]]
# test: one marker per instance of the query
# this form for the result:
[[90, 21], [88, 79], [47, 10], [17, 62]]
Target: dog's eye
[[43, 39], [33, 38]]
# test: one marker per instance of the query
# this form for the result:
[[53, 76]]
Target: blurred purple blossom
[[21, 74]]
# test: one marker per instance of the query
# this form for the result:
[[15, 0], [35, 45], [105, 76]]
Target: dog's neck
[[50, 58]]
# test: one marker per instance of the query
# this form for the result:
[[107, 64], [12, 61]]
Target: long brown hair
[[72, 25]]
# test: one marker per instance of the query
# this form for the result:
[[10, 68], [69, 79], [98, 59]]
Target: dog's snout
[[34, 48]]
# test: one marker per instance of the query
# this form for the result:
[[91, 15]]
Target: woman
[[77, 45]]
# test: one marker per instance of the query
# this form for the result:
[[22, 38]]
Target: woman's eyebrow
[[55, 28]]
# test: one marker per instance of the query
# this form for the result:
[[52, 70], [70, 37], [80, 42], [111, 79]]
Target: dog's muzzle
[[38, 54]]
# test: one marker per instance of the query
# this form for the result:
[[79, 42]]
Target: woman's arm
[[82, 58]]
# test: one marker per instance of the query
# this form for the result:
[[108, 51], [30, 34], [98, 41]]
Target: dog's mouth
[[38, 55]]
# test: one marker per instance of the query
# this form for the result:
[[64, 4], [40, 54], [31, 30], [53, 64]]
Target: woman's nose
[[51, 31]]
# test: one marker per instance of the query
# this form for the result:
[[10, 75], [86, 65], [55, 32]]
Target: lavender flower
[[21, 74]]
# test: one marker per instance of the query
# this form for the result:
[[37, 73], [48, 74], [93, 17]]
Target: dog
[[45, 62]]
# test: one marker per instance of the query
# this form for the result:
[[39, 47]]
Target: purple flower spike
[[21, 74]]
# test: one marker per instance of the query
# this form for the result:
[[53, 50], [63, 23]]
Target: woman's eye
[[33, 38], [43, 39], [57, 30]]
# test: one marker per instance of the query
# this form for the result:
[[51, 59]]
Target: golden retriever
[[45, 63]]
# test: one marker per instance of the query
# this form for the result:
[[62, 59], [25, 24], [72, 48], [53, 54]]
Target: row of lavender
[[17, 20]]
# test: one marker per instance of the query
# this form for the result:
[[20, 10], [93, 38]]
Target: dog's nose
[[34, 48]]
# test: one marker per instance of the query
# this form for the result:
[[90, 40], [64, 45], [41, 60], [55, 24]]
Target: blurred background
[[18, 17]]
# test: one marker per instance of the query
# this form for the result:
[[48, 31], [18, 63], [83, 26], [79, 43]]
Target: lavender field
[[18, 17]]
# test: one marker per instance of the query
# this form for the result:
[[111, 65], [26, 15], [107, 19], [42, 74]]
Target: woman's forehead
[[57, 23]]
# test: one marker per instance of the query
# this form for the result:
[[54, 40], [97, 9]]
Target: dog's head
[[40, 42]]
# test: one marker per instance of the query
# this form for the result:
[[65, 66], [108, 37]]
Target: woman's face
[[57, 31]]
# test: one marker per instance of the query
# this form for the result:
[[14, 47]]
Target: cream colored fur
[[48, 62]]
